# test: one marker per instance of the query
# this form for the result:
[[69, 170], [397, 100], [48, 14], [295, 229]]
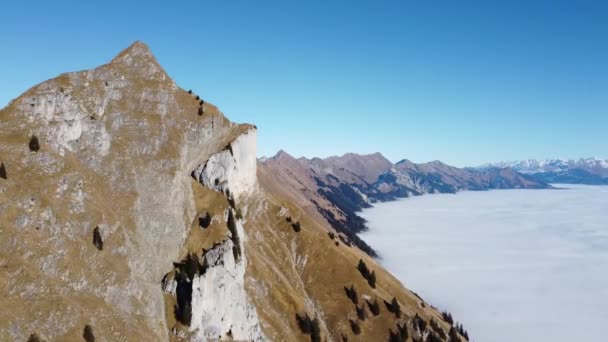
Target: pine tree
[[315, 334], [34, 338], [87, 334], [97, 241], [355, 327], [395, 308], [361, 312], [309, 327], [351, 293], [34, 144], [304, 323], [372, 279], [362, 267], [2, 171], [454, 335], [373, 307]]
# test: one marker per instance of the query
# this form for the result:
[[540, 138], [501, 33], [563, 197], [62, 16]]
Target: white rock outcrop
[[233, 168], [220, 305]]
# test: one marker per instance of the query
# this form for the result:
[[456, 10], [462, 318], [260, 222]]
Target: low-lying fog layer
[[512, 265]]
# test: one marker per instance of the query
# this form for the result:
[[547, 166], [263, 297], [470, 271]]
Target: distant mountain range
[[591, 171], [338, 187]]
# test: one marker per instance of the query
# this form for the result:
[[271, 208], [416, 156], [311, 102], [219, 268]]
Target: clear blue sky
[[464, 82]]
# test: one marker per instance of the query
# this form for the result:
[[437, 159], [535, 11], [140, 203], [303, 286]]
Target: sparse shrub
[[191, 266], [438, 329], [87, 334], [97, 241], [393, 307], [351, 293], [288, 218], [304, 323], [217, 181], [337, 243], [331, 235], [34, 144], [200, 111], [365, 272], [296, 227], [344, 338], [204, 220], [399, 335], [239, 214], [315, 335], [362, 267], [361, 312], [309, 327], [198, 97], [372, 279], [354, 326], [183, 307], [231, 201], [394, 336], [229, 148], [34, 338], [201, 103], [374, 307], [2, 171], [190, 91], [236, 249], [419, 323], [434, 337]]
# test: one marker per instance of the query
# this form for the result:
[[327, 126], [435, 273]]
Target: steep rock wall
[[220, 304], [233, 168]]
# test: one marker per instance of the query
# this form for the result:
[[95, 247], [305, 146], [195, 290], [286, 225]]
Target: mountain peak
[[282, 155], [138, 49], [138, 58]]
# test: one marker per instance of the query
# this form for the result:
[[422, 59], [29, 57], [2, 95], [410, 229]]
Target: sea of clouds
[[511, 265]]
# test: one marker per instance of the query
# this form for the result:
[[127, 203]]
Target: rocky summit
[[130, 210]]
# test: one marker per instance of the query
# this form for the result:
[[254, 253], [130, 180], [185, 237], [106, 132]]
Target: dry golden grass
[[306, 272]]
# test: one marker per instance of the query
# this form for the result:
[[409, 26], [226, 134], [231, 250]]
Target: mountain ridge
[[592, 171], [339, 187], [132, 209]]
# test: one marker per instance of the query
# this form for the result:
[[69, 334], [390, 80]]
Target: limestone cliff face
[[117, 147], [132, 207]]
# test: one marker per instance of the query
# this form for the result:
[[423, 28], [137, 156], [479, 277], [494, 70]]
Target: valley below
[[511, 265]]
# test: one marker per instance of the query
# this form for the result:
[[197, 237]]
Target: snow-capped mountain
[[579, 171]]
